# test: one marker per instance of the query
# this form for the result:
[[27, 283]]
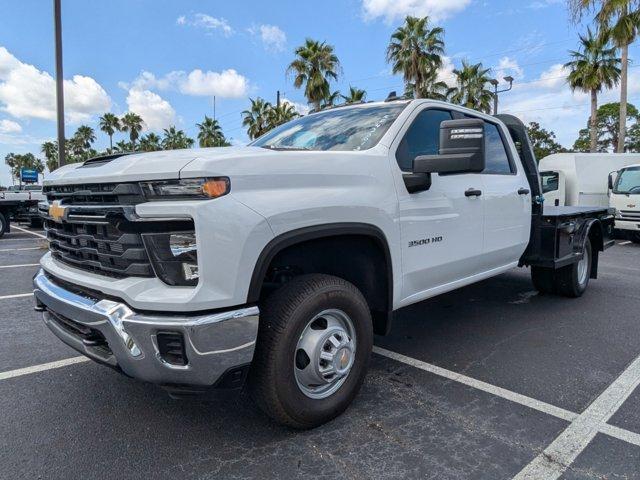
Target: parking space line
[[17, 295], [23, 265], [626, 242], [621, 434], [563, 451], [29, 231], [42, 367], [480, 385], [19, 249]]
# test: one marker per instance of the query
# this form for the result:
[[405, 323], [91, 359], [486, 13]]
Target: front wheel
[[313, 349]]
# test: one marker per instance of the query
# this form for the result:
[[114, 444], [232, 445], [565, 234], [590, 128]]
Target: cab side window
[[422, 137], [497, 160]]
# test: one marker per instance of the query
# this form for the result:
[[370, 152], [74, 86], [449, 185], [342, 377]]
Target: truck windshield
[[628, 181], [549, 181], [346, 128]]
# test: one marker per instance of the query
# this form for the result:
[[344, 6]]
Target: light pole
[[495, 82], [57, 21]]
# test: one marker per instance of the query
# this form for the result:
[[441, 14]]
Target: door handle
[[472, 192], [523, 191]]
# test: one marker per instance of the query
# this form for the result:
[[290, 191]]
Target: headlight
[[174, 257], [187, 189]]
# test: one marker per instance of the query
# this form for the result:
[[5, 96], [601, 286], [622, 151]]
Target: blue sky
[[166, 59]]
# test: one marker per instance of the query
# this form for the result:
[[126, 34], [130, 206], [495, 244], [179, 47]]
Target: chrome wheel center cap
[[344, 359]]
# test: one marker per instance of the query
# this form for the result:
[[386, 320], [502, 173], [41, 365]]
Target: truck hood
[[149, 166]]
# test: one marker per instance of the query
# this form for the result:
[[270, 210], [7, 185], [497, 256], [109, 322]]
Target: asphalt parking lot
[[489, 382]]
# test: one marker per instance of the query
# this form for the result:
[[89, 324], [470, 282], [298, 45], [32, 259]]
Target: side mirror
[[611, 180], [461, 149]]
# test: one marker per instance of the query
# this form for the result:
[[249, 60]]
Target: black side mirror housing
[[610, 180], [461, 149]]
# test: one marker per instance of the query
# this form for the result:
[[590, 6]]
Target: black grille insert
[[89, 336]]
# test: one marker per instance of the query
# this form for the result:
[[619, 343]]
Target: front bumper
[[628, 225], [111, 333]]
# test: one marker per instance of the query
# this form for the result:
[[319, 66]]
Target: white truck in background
[[624, 196], [590, 179]]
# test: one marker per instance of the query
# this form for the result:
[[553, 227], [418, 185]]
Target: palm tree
[[355, 95], [50, 152], [280, 114], [593, 68], [210, 133], [331, 100], [416, 51], [256, 119], [622, 19], [123, 146], [109, 124], [84, 137], [132, 123], [150, 142], [314, 66], [470, 88], [176, 139]]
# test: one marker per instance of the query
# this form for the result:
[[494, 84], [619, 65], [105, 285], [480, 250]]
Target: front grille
[[99, 248], [94, 234], [630, 215]]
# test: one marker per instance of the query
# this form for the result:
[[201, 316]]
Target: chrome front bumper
[[214, 343]]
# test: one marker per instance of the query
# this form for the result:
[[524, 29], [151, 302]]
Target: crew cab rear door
[[507, 200], [441, 227]]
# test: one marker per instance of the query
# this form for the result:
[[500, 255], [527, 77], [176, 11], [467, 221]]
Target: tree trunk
[[110, 143], [623, 99], [593, 123]]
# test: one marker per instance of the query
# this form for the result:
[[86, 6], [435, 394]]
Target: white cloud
[[445, 72], [273, 38], [508, 66], [554, 77], [9, 126], [225, 84], [26, 92], [392, 10], [156, 112], [301, 108], [207, 23]]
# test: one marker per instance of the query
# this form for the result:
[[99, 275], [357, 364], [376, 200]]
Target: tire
[[635, 237], [572, 280], [543, 279], [4, 224], [279, 363]]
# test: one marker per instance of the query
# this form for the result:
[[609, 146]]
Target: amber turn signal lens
[[215, 188]]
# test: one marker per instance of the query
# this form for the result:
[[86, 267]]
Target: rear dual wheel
[[569, 281], [313, 349], [4, 224]]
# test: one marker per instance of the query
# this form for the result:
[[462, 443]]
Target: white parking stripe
[[17, 295], [20, 249], [42, 367], [480, 385], [29, 231], [626, 242], [562, 452], [621, 434], [23, 265]]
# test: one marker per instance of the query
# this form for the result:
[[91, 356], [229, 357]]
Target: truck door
[[507, 201], [441, 227]]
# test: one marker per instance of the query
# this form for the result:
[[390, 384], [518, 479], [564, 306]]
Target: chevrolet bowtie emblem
[[57, 211]]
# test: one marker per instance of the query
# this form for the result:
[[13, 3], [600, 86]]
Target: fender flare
[[300, 235]]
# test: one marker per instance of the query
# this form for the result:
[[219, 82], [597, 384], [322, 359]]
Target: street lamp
[[494, 82]]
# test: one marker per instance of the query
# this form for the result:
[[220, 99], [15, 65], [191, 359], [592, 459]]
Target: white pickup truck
[[278, 261]]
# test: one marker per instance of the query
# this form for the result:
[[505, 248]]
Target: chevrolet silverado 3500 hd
[[277, 262]]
